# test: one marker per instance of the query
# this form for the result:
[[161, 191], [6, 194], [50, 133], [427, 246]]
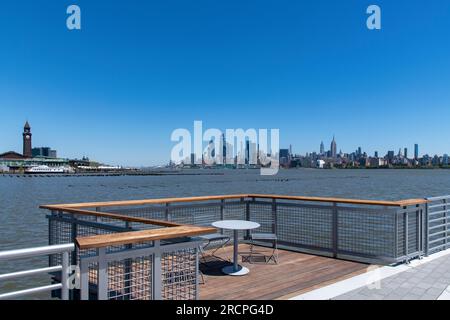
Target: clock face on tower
[[27, 137]]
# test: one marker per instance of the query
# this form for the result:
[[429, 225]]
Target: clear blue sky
[[140, 69]]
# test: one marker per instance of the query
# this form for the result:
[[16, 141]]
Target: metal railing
[[438, 224], [145, 270], [157, 271], [383, 232], [63, 269]]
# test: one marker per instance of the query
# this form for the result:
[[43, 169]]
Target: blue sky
[[137, 70]]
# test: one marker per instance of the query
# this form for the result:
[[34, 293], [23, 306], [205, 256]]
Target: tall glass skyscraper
[[333, 148]]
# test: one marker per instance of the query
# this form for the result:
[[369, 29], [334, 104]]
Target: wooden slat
[[342, 200], [400, 203], [120, 217], [140, 202], [123, 238]]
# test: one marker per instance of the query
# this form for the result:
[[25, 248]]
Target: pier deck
[[296, 273]]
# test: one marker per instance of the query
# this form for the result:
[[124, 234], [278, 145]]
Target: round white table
[[235, 225]]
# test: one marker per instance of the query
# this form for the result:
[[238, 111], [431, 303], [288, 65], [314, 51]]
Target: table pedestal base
[[241, 271]]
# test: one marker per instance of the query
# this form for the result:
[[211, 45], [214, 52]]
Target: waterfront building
[[284, 157], [253, 153], [320, 164], [445, 160], [247, 151], [44, 152], [224, 149], [390, 156], [333, 148], [376, 154], [416, 151], [17, 162], [322, 148], [405, 153]]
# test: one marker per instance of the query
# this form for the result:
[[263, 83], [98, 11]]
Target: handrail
[[63, 249], [123, 238], [33, 252], [400, 203], [120, 217]]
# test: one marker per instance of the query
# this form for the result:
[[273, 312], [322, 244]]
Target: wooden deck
[[296, 273]]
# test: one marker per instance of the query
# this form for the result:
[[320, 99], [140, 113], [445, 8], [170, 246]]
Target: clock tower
[[27, 141]]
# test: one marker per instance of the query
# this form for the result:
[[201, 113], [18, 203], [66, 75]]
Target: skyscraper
[[27, 150], [416, 151], [322, 148], [405, 153], [333, 148], [247, 152]]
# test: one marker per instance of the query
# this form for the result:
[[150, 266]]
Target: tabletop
[[236, 224]]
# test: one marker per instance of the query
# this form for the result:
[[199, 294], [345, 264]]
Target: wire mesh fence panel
[[147, 212], [366, 232], [305, 226], [131, 279], [262, 214], [179, 273]]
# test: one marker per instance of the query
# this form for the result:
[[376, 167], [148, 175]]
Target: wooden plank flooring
[[296, 273]]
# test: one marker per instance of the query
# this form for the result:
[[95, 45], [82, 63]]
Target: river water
[[23, 224]]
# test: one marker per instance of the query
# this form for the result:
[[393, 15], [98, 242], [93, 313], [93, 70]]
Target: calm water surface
[[22, 224]]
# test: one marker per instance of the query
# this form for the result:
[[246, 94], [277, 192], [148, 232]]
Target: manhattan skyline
[[116, 90]]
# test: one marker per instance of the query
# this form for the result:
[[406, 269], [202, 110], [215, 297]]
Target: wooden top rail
[[123, 238], [400, 203], [163, 223], [64, 207]]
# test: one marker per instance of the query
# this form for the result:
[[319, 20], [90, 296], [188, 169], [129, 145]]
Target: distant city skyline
[[117, 89]]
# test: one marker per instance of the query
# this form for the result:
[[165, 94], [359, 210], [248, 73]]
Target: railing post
[[405, 219], [157, 276], [426, 231], [51, 239], [197, 272], [167, 212], [84, 280], [274, 216], [419, 229], [396, 234], [335, 230], [74, 234], [222, 212], [64, 276], [247, 217], [102, 286], [127, 265], [445, 222]]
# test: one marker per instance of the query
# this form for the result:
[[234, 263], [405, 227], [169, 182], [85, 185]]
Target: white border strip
[[367, 279]]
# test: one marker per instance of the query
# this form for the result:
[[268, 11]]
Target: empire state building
[[333, 148]]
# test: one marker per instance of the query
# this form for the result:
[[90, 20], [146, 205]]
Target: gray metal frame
[[437, 221], [366, 233], [155, 252], [63, 269]]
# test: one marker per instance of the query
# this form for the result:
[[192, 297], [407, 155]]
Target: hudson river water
[[23, 224]]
